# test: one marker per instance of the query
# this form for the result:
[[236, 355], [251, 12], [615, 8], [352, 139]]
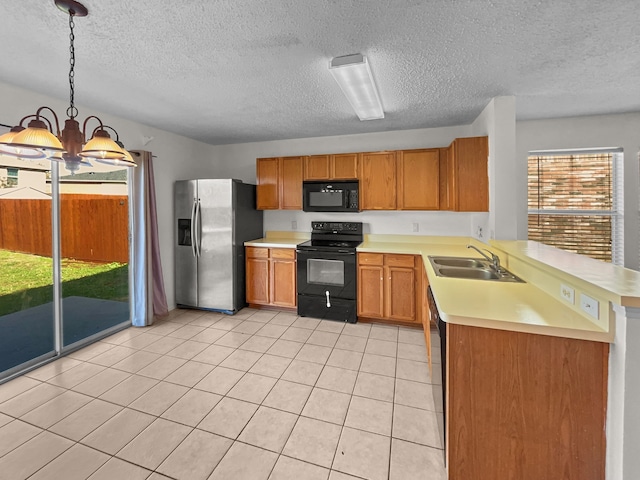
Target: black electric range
[[327, 273]]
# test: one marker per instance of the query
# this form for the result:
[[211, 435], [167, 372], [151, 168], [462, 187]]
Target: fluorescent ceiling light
[[353, 74]]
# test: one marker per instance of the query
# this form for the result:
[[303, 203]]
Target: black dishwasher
[[437, 389]]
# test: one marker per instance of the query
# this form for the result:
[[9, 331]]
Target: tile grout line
[[191, 387]]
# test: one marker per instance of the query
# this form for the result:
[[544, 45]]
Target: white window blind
[[575, 201]]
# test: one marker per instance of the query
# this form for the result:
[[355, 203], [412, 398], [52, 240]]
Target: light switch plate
[[416, 227], [567, 293], [294, 225], [589, 305]]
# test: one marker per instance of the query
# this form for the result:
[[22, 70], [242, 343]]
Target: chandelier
[[42, 138]]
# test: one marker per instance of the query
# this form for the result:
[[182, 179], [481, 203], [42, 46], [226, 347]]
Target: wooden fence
[[94, 228]]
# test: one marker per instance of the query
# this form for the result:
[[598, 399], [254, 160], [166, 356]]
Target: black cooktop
[[341, 244]]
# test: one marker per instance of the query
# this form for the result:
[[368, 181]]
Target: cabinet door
[[446, 179], [370, 291], [378, 181], [418, 179], [317, 167], [283, 282], [258, 280], [400, 293], [291, 183], [267, 171], [344, 166], [471, 174]]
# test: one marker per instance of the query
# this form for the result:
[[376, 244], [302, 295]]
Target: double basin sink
[[472, 268]]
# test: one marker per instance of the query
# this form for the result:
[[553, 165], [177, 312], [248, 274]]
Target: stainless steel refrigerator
[[213, 219]]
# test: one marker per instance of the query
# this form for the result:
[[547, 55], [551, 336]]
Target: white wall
[[177, 158], [498, 121], [239, 161], [585, 132]]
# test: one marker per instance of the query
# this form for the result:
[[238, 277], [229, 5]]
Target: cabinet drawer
[[399, 260], [287, 253], [370, 258], [257, 252]]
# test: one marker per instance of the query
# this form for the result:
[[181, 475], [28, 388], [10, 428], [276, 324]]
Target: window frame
[[617, 196]]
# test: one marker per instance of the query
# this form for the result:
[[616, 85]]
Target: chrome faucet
[[494, 259]]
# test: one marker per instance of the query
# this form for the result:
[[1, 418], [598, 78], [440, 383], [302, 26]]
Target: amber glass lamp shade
[[37, 137], [126, 161], [102, 147], [6, 147]]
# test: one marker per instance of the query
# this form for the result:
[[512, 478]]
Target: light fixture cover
[[354, 76], [19, 152], [36, 138], [102, 147], [126, 161]]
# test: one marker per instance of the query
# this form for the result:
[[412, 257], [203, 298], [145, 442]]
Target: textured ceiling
[[230, 71]]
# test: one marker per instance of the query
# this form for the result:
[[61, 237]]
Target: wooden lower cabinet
[[524, 406], [389, 287], [271, 276], [370, 291]]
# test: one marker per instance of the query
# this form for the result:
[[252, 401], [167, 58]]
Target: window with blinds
[[575, 201]]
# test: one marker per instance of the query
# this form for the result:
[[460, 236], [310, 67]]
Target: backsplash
[[384, 222]]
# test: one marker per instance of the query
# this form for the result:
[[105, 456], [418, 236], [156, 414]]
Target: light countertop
[[507, 306], [619, 285], [274, 239]]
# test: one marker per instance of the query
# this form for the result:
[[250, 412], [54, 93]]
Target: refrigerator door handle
[[193, 229], [198, 240]]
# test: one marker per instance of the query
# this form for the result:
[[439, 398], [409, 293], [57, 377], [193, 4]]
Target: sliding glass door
[[64, 256], [27, 327], [94, 232]]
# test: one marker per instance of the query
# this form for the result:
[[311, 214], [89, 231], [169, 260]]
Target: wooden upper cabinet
[[378, 181], [279, 183], [344, 166], [472, 175], [331, 167], [317, 167], [465, 166], [268, 189], [418, 179], [291, 183], [453, 178], [446, 185]]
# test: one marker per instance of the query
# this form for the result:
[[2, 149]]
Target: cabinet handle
[[328, 301]]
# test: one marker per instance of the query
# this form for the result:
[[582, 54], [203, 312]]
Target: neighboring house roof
[[12, 162], [23, 193], [117, 176]]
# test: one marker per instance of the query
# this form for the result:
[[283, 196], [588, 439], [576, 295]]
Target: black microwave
[[327, 196]]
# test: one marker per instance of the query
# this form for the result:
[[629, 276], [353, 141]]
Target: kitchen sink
[[470, 268], [461, 262], [478, 273]]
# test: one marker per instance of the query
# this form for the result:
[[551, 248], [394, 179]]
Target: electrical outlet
[[567, 293], [589, 305], [416, 227], [294, 225], [479, 232]]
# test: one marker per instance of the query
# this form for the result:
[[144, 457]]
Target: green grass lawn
[[26, 280]]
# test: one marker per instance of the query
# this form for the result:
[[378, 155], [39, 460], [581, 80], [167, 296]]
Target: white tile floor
[[256, 396]]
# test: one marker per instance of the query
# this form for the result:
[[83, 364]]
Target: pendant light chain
[[72, 111]]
